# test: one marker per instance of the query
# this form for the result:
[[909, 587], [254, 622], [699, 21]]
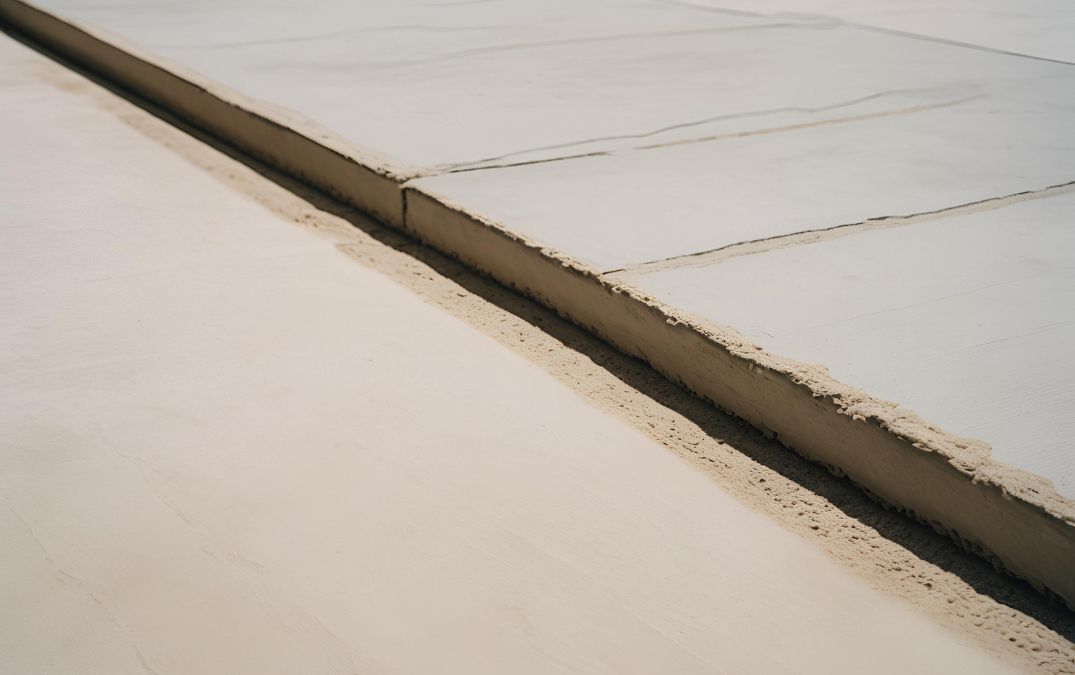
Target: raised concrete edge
[[288, 142], [1013, 517]]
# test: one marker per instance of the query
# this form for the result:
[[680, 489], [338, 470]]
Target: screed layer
[[1014, 517]]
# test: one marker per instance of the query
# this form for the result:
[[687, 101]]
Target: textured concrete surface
[[228, 448]]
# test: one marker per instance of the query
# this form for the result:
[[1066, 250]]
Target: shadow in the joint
[[919, 539]]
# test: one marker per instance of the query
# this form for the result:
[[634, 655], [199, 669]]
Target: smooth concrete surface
[[1038, 28], [634, 207], [442, 85], [968, 320], [228, 448]]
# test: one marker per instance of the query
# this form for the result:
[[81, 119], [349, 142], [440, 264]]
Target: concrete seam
[[754, 246]]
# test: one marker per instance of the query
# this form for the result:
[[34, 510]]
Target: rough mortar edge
[[1010, 516], [1013, 517]]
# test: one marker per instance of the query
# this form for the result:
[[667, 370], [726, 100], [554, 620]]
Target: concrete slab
[[440, 86], [1040, 28], [617, 211], [968, 320], [210, 461]]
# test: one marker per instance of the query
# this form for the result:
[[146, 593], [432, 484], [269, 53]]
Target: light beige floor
[[226, 448], [695, 126]]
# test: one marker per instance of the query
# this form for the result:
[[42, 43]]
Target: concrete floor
[[715, 125], [1039, 28], [229, 448], [522, 81]]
